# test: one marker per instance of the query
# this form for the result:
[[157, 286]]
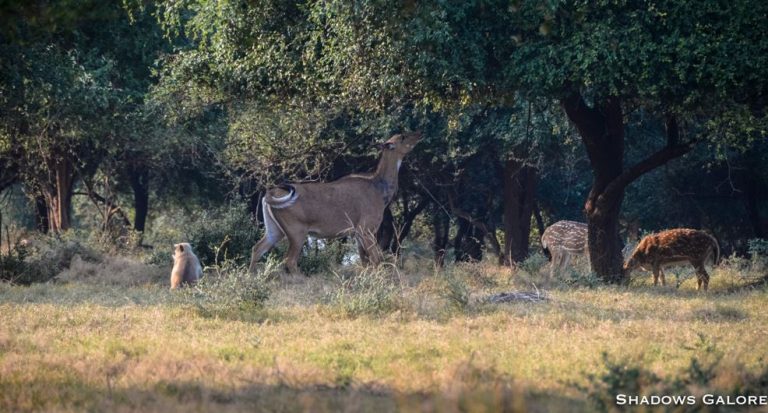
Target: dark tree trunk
[[386, 233], [752, 194], [58, 194], [41, 215], [139, 180], [602, 132], [519, 197], [468, 243], [442, 226], [405, 230]]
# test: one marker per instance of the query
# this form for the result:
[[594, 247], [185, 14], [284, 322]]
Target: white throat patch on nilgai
[[352, 205]]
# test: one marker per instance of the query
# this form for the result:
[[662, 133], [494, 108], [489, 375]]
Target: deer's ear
[[181, 248]]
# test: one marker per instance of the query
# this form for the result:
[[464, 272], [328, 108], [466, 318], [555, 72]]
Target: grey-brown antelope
[[563, 239], [352, 205], [675, 246]]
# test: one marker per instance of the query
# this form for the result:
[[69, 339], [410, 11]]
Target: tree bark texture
[[601, 128], [520, 183], [139, 180]]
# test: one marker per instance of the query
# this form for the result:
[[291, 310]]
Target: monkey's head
[[182, 248]]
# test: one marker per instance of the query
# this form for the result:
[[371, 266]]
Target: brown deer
[[675, 246], [562, 239], [352, 205]]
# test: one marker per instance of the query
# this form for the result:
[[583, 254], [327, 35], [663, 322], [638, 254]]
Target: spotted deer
[[563, 239], [352, 205], [675, 246]]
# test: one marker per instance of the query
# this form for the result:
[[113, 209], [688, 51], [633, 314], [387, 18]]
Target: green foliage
[[322, 256], [576, 278], [706, 373], [224, 233], [455, 291], [13, 267]]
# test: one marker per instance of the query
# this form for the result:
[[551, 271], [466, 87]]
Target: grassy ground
[[400, 340]]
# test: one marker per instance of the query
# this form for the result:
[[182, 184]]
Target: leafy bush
[[372, 291], [705, 374], [321, 256], [13, 267], [456, 291], [227, 232], [229, 287], [44, 258], [576, 278], [532, 265]]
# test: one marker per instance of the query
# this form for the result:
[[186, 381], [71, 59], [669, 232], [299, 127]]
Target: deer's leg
[[566, 261], [555, 262], [661, 274], [656, 269], [702, 278], [262, 247], [367, 240], [295, 242]]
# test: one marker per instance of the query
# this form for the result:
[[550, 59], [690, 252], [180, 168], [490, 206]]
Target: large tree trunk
[[752, 200], [41, 215], [442, 226], [519, 197], [58, 194], [386, 232], [139, 180], [602, 132]]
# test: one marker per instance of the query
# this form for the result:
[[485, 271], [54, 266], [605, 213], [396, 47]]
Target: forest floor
[[403, 340]]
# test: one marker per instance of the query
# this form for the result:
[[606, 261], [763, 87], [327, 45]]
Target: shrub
[[13, 267], [45, 258], [532, 265], [229, 287], [226, 233], [456, 291], [321, 256], [576, 278], [372, 291]]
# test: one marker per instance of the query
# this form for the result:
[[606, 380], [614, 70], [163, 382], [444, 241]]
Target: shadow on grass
[[163, 396]]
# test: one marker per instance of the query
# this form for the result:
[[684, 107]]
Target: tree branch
[[648, 164], [478, 224]]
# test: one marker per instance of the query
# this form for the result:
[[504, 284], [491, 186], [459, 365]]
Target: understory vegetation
[[105, 333]]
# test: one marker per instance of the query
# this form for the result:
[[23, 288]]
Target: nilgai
[[352, 205], [562, 239], [675, 246]]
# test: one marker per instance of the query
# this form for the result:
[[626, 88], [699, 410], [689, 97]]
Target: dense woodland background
[[147, 123]]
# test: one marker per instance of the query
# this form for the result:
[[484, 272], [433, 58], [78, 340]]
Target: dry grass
[[104, 346]]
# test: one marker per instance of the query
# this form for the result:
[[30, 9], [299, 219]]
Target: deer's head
[[400, 144]]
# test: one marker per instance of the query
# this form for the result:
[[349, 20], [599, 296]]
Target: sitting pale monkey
[[186, 266]]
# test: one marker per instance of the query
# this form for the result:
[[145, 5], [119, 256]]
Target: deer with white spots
[[675, 246], [564, 239]]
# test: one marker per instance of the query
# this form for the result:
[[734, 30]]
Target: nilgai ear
[[181, 248]]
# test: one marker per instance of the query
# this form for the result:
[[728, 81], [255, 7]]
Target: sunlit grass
[[80, 346]]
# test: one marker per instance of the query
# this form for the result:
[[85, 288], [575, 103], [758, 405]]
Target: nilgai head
[[400, 144]]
